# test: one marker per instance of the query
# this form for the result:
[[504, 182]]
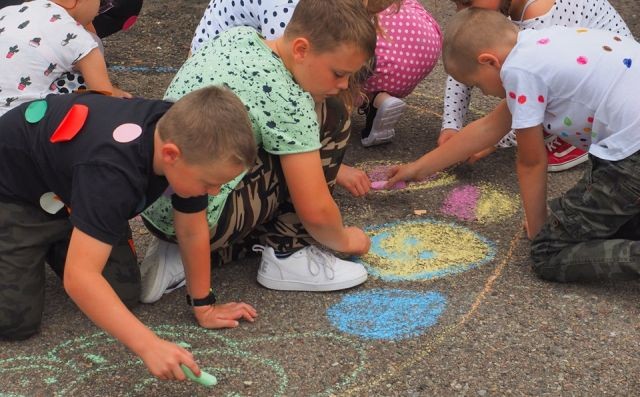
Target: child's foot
[[562, 156], [308, 269], [383, 113], [161, 270]]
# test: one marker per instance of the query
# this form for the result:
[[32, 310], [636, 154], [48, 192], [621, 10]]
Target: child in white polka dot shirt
[[533, 14], [409, 44]]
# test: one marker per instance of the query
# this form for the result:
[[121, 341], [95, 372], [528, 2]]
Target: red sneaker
[[562, 156]]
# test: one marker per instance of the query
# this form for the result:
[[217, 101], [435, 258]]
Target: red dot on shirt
[[540, 99], [522, 99], [590, 119], [512, 95]]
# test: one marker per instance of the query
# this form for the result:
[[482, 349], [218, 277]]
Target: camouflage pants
[[28, 238], [593, 231], [259, 210]]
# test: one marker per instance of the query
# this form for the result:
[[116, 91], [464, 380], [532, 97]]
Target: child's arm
[[471, 139], [192, 231], [85, 284], [316, 208], [531, 166], [94, 71]]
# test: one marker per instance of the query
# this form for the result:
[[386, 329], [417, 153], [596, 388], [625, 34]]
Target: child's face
[[189, 180], [327, 73]]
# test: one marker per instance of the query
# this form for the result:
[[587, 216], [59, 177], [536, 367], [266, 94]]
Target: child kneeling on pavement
[[75, 169], [283, 203]]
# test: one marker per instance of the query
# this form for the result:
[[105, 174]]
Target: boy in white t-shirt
[[42, 40], [580, 85]]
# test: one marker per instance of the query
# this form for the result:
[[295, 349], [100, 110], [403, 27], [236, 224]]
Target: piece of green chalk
[[205, 379]]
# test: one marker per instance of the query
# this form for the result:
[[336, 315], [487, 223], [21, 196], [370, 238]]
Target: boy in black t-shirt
[[76, 168]]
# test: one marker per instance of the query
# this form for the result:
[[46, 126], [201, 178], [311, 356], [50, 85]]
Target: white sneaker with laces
[[308, 269], [161, 270]]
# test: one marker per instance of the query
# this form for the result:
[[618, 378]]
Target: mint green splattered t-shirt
[[282, 114]]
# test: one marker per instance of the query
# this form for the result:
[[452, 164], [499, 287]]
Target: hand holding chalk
[[205, 379]]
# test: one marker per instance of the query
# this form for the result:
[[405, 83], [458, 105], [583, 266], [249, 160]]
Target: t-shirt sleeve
[[70, 42], [103, 199], [288, 125], [189, 205], [526, 96]]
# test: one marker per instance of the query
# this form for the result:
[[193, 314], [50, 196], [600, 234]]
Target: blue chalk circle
[[387, 314]]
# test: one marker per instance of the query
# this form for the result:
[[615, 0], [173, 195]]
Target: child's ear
[[300, 47], [169, 152], [489, 59]]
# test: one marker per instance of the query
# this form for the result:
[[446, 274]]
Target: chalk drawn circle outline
[[53, 362], [369, 260]]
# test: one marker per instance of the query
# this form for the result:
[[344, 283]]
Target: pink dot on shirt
[[582, 60], [126, 133], [522, 99], [543, 41]]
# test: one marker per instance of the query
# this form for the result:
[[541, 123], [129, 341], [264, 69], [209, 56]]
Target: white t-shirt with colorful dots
[[595, 14], [39, 42], [580, 84]]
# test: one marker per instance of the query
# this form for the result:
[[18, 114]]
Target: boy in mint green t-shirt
[[284, 202]]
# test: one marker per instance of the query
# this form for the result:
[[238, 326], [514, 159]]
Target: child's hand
[[445, 135], [354, 180], [224, 315], [402, 172], [117, 92], [358, 241], [163, 360]]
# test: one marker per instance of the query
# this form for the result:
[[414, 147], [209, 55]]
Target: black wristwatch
[[206, 301]]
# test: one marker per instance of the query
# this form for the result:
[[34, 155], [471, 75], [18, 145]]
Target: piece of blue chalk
[[205, 379]]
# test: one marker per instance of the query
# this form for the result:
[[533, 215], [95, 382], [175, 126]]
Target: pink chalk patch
[[379, 185], [129, 22], [462, 203], [126, 133]]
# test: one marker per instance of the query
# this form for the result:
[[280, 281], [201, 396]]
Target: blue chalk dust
[[387, 314]]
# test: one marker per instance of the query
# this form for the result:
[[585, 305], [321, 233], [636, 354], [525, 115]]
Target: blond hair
[[210, 124], [470, 32]]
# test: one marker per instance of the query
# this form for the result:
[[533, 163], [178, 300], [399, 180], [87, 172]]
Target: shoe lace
[[322, 260], [552, 144]]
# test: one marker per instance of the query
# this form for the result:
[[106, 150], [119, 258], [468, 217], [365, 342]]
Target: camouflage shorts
[[259, 210], [28, 238], [593, 229]]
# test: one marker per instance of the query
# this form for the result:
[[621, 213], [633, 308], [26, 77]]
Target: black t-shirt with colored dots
[[86, 156]]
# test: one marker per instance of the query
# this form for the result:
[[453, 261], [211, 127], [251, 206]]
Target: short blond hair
[[470, 32], [210, 124], [330, 23]]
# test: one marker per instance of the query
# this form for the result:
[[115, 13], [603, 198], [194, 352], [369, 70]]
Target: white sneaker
[[384, 121], [309, 269], [161, 270]]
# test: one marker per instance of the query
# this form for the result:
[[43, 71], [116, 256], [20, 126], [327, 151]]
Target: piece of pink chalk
[[379, 185]]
